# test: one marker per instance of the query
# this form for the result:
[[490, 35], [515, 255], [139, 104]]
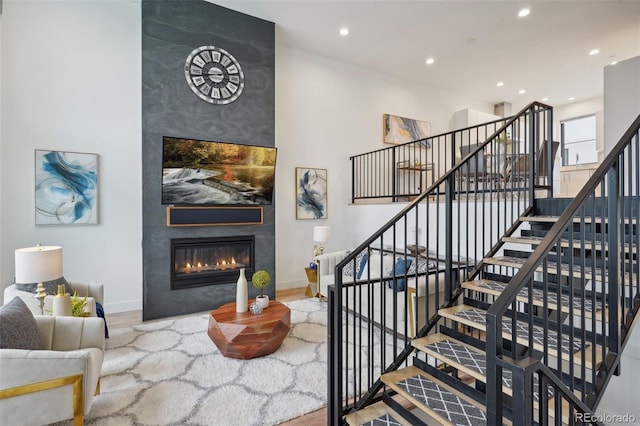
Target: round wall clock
[[214, 75]]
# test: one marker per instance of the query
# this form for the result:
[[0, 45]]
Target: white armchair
[[93, 291], [57, 383]]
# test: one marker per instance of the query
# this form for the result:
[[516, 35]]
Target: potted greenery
[[260, 280]]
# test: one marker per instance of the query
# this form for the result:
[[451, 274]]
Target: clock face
[[214, 75]]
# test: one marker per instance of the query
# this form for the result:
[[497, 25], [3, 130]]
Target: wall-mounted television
[[211, 173]]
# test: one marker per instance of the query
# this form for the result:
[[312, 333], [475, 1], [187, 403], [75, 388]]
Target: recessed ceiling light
[[545, 99], [521, 92], [429, 61], [500, 84], [344, 31], [613, 63], [523, 13], [572, 99], [594, 52]]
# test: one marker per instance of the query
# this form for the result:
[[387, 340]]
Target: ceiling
[[475, 44]]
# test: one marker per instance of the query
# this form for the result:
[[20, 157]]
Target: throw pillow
[[18, 327], [352, 266], [421, 266], [50, 286], [362, 265], [399, 270]]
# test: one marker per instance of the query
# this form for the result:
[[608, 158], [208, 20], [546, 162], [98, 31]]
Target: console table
[[245, 335]]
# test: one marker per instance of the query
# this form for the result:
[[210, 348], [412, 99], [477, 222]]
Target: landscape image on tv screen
[[206, 172]]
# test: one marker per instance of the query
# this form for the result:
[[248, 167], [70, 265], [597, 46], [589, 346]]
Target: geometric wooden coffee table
[[244, 335]]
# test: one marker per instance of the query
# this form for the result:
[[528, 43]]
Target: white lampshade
[[38, 264], [320, 234]]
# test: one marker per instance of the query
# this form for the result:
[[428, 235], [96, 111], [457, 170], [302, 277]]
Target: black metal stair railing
[[590, 256], [428, 249], [404, 171]]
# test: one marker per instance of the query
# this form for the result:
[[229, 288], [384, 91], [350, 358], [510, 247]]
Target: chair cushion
[[18, 327], [399, 270]]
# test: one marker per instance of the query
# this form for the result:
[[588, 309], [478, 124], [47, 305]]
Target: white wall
[[71, 81], [621, 98], [325, 112]]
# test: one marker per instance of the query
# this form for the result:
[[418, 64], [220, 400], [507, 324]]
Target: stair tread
[[465, 358], [553, 219], [497, 287], [476, 318], [565, 269], [443, 403], [378, 414], [564, 242]]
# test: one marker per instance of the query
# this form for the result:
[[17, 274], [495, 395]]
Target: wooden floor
[[316, 418]]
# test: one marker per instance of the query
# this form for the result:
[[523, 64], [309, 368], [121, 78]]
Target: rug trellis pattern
[[170, 373]]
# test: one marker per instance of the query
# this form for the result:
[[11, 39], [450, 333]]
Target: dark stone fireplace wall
[[170, 31]]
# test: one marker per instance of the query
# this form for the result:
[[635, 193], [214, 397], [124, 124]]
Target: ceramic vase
[[242, 293], [62, 303], [263, 301]]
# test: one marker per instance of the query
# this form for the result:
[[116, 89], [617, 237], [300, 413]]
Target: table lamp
[[37, 265], [320, 236]]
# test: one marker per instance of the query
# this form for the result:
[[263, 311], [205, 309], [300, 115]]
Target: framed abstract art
[[311, 193], [398, 130], [66, 188]]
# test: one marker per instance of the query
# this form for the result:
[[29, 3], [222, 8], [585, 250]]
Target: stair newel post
[[613, 262], [393, 175], [533, 122], [550, 159], [353, 180], [453, 155], [448, 254], [334, 338], [522, 391], [494, 371]]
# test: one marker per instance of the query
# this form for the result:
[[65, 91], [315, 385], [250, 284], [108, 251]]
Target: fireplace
[[200, 262]]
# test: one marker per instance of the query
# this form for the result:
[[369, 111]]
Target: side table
[[312, 282], [245, 335]]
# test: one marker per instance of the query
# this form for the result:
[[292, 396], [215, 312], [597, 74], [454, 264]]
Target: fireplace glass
[[210, 261]]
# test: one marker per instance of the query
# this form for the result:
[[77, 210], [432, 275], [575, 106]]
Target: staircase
[[446, 383], [528, 333]]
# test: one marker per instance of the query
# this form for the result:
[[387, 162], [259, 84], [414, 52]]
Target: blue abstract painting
[[66, 188], [311, 193]]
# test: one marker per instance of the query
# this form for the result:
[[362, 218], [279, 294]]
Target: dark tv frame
[[230, 187]]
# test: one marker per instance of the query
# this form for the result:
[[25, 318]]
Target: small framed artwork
[[311, 193], [66, 188], [398, 130]]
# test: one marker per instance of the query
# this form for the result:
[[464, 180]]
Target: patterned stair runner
[[565, 270], [477, 317], [384, 420], [471, 360], [497, 287], [435, 398], [378, 414]]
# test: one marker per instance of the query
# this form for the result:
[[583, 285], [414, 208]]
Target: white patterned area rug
[[170, 373]]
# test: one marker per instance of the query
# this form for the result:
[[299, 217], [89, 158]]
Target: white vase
[[62, 303], [263, 301], [242, 293]]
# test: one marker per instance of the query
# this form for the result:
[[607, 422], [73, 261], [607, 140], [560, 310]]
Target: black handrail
[[617, 211]]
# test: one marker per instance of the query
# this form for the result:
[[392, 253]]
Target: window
[[579, 141]]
